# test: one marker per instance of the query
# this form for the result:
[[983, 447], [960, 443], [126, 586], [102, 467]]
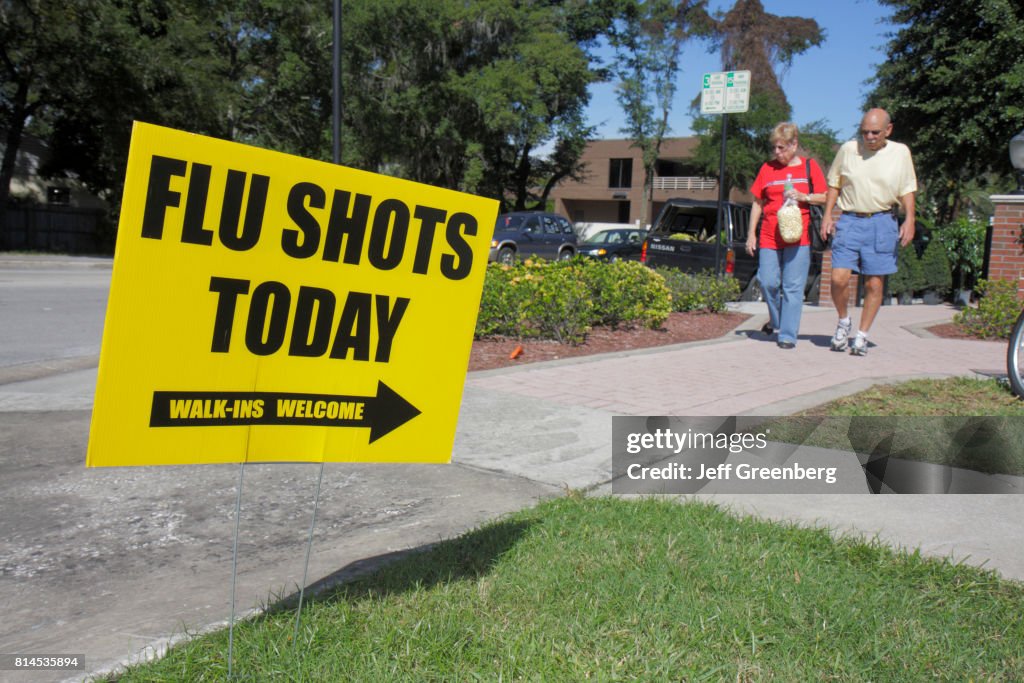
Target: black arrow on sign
[[383, 413], [387, 412]]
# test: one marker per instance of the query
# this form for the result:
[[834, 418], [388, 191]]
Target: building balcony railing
[[685, 183]]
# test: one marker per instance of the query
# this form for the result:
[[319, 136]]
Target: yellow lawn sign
[[265, 307]]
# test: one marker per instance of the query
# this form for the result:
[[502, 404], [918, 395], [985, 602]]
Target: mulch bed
[[489, 354], [501, 352], [949, 331]]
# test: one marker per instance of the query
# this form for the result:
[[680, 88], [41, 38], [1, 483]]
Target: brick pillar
[[1006, 260], [825, 297]]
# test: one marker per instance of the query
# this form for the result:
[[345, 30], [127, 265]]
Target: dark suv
[[526, 233], [683, 237]]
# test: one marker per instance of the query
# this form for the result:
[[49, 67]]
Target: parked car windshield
[[509, 222], [617, 237]]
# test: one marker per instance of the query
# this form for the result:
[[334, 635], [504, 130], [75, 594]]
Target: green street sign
[[725, 92]]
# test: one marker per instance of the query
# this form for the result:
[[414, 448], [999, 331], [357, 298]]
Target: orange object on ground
[[516, 352]]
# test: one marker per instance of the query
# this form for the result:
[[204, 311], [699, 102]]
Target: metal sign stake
[[234, 567], [309, 547]]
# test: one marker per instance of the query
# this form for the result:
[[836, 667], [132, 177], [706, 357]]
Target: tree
[[953, 82], [536, 94], [275, 56], [764, 44], [648, 41], [144, 61], [37, 41], [78, 74], [458, 94], [464, 95]]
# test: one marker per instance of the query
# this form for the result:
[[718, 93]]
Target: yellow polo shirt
[[869, 182]]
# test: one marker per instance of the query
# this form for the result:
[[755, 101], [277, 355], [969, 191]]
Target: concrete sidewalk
[[115, 563]]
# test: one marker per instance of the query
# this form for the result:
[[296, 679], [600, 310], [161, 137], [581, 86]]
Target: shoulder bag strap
[[816, 242]]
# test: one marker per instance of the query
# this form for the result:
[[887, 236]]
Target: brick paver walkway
[[747, 373]]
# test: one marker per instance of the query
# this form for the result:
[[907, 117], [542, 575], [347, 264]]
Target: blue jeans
[[783, 274]]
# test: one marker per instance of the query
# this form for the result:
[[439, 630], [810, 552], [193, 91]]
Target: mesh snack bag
[[791, 221]]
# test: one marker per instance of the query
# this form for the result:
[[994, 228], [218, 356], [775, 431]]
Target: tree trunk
[[16, 127], [648, 196], [522, 178]]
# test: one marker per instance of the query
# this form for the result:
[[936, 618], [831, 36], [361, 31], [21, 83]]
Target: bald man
[[868, 178]]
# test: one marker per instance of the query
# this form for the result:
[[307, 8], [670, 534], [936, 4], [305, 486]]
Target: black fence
[[61, 229]]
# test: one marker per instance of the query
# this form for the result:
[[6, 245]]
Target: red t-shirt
[[769, 187]]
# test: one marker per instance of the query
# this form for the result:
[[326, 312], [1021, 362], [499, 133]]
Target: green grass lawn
[[961, 396], [608, 589], [975, 424]]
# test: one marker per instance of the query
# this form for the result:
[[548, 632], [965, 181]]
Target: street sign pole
[[336, 77], [724, 92], [721, 199]]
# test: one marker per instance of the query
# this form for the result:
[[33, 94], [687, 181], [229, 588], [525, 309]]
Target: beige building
[[612, 191]]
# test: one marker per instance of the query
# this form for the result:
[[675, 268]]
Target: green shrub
[[935, 268], [964, 242], [997, 310], [626, 293], [536, 298], [699, 292], [563, 300], [909, 277], [558, 304], [502, 302]]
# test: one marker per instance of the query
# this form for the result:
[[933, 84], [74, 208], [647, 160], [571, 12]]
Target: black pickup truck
[[683, 237]]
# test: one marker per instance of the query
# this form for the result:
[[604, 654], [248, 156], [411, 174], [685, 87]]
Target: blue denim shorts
[[868, 245]]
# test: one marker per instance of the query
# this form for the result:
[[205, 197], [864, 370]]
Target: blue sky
[[826, 82]]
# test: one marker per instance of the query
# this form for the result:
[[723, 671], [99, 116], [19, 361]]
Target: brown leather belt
[[858, 214]]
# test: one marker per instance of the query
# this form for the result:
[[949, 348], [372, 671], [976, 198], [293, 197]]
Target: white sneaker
[[842, 335], [859, 346]]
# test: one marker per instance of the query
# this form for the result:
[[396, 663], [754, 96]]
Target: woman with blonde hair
[[783, 191]]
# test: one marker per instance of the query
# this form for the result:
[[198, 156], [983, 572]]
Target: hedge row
[[702, 292], [564, 300]]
